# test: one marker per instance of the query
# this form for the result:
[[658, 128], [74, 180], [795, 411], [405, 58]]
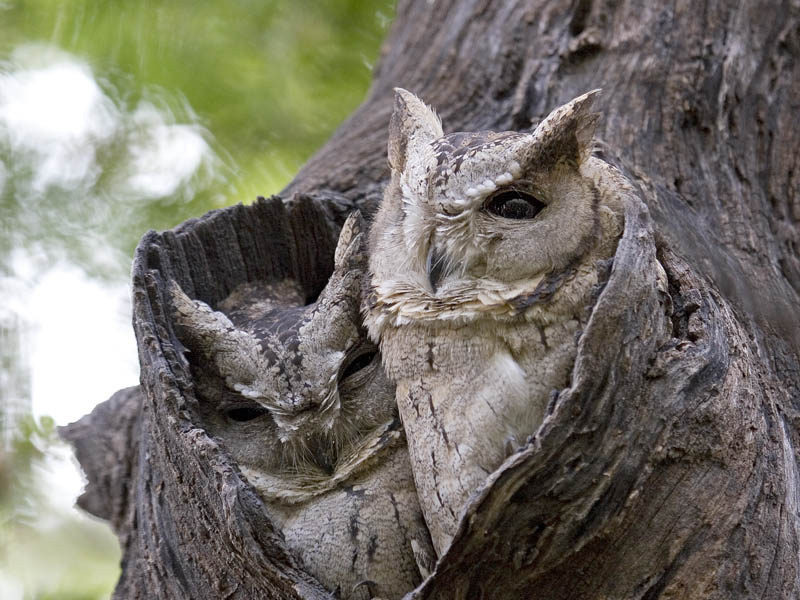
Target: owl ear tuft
[[218, 345], [566, 133], [413, 123], [198, 327], [349, 248]]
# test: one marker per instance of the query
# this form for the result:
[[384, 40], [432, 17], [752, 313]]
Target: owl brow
[[234, 400], [452, 149], [518, 185]]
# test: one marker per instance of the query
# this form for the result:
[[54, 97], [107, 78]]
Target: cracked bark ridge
[[106, 444], [669, 467]]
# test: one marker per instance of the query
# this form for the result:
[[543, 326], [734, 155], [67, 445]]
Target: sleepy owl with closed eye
[[297, 396], [484, 256]]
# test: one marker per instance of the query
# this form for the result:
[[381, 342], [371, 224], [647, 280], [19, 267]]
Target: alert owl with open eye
[[297, 396], [483, 257]]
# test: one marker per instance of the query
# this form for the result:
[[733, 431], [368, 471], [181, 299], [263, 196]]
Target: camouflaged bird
[[483, 258], [299, 399]]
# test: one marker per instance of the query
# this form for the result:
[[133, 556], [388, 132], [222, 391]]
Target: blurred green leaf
[[261, 84], [268, 80]]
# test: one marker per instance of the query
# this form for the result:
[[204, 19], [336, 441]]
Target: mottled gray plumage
[[483, 257], [298, 397]]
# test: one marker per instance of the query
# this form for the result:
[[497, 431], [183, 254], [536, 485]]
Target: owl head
[[474, 221], [304, 378]]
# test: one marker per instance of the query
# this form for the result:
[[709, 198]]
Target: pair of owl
[[481, 262]]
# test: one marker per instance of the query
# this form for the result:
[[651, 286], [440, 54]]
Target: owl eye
[[242, 414], [360, 362], [513, 204]]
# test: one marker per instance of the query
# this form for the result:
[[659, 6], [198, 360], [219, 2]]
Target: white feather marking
[[504, 178], [509, 372]]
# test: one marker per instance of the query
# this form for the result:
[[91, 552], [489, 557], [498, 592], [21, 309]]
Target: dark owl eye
[[513, 204], [359, 362], [243, 414]]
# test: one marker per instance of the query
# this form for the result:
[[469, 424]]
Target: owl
[[298, 397], [484, 256]]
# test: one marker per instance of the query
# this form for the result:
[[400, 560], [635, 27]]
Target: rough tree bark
[[669, 467]]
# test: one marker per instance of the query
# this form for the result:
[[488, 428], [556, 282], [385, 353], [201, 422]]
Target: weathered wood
[[662, 470], [199, 531], [106, 444], [669, 467], [697, 103]]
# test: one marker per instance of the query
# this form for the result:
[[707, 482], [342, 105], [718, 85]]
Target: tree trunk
[[669, 467]]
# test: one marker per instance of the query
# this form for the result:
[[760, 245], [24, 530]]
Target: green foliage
[[17, 483], [53, 554], [269, 80], [264, 83]]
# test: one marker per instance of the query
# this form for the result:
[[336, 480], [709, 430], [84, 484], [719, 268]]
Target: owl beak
[[434, 268]]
